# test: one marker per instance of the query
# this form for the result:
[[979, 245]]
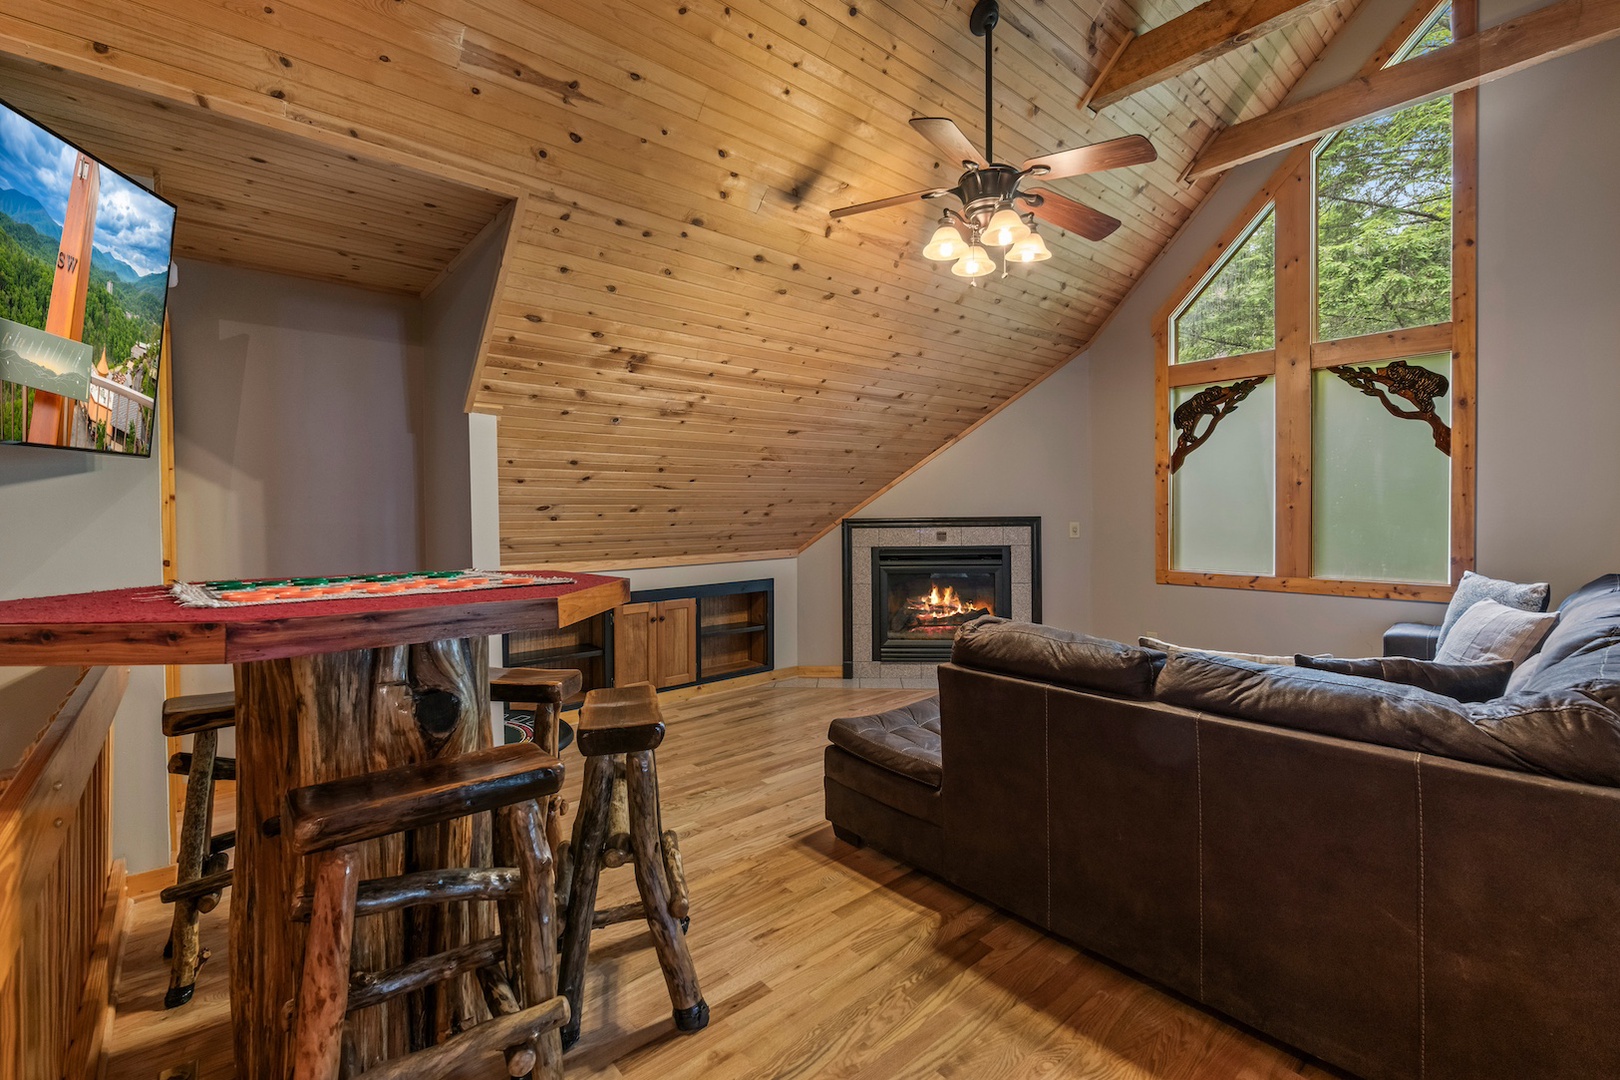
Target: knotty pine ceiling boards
[[689, 359]]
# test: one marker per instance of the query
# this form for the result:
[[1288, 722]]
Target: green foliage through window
[[1236, 312], [1383, 224]]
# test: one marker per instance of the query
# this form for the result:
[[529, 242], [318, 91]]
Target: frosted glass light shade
[[1030, 249], [1005, 227], [946, 245], [975, 263]]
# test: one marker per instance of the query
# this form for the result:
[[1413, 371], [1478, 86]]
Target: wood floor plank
[[818, 960]]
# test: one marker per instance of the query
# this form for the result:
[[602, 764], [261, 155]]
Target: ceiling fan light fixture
[[974, 263], [946, 245], [1005, 227], [1030, 249]]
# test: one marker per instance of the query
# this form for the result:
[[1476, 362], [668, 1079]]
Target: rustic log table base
[[307, 719]]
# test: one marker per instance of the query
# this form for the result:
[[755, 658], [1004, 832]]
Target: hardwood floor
[[817, 959]]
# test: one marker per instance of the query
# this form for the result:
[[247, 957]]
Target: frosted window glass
[[1236, 312], [1382, 491], [1223, 498]]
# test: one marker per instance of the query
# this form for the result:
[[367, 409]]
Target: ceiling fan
[[990, 191]]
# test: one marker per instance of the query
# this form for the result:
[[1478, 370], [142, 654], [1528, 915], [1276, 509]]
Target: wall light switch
[[1074, 530]]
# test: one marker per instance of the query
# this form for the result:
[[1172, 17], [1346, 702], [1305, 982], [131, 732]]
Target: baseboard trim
[[831, 671], [149, 882]]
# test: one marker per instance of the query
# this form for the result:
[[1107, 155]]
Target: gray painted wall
[[452, 330], [73, 522], [295, 446]]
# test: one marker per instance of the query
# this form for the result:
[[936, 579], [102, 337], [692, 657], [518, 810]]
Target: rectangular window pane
[[1382, 488], [1383, 224], [1223, 494]]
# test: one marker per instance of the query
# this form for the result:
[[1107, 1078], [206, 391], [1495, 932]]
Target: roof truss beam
[[1544, 34], [1196, 37]]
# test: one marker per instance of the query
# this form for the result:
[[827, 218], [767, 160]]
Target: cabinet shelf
[[539, 657], [732, 667], [756, 628]]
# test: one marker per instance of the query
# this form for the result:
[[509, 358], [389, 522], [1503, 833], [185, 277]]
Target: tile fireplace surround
[[1018, 538]]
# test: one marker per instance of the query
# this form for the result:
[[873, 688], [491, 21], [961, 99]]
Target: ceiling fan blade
[[1098, 157], [1077, 218], [892, 200], [947, 138]]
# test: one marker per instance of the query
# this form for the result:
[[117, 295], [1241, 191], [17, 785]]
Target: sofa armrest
[[1420, 641]]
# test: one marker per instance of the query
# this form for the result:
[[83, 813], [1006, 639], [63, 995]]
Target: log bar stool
[[202, 867], [618, 730], [544, 688], [329, 819]]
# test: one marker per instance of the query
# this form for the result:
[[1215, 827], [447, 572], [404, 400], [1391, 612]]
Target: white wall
[[74, 522], [1032, 458]]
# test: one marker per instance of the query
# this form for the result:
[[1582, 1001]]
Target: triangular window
[[1235, 312]]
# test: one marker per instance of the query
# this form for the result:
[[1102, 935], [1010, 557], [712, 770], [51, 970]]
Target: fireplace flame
[[943, 603]]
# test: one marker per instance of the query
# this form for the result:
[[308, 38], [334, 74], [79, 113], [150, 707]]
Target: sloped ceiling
[[689, 358]]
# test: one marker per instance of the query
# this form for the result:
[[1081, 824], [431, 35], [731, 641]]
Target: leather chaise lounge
[[1387, 879]]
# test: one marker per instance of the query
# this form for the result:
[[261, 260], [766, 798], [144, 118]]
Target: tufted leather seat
[[903, 740]]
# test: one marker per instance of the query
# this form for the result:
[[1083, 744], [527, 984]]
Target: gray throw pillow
[[1476, 587], [1460, 682], [1492, 631], [1176, 650]]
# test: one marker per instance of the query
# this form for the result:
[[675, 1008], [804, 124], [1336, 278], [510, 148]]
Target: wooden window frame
[[1290, 191]]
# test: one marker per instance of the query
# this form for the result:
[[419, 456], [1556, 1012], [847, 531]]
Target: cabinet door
[[633, 643], [675, 642]]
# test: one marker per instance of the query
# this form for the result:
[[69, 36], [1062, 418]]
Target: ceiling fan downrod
[[986, 13]]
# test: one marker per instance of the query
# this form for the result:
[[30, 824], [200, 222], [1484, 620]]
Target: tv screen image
[[84, 275]]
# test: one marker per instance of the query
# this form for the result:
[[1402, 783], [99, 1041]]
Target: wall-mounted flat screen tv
[[84, 275]]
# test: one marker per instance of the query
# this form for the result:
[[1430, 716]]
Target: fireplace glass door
[[923, 595]]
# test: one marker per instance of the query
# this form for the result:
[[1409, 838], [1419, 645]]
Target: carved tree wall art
[[1215, 402], [1417, 385]]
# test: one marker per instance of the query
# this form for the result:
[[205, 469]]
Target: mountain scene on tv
[[80, 338]]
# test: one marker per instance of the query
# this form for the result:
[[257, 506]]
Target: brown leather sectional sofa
[[1395, 909]]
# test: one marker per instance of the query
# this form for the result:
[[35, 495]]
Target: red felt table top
[[147, 626]]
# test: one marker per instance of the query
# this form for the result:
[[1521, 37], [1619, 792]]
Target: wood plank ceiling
[[689, 358], [251, 196]]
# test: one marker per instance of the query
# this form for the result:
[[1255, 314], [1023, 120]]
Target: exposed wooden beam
[[1544, 34], [1208, 31]]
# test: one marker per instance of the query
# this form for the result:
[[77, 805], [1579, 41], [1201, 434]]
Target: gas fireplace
[[910, 584], [922, 595]]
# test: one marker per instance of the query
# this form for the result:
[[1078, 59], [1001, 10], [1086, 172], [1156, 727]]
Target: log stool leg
[[195, 824], [536, 966], [548, 733], [641, 780], [585, 852], [323, 997]]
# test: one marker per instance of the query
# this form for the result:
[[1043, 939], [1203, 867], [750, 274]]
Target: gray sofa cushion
[[1058, 656], [1588, 613], [1465, 682], [1476, 587], [1560, 733], [1592, 669], [903, 740]]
